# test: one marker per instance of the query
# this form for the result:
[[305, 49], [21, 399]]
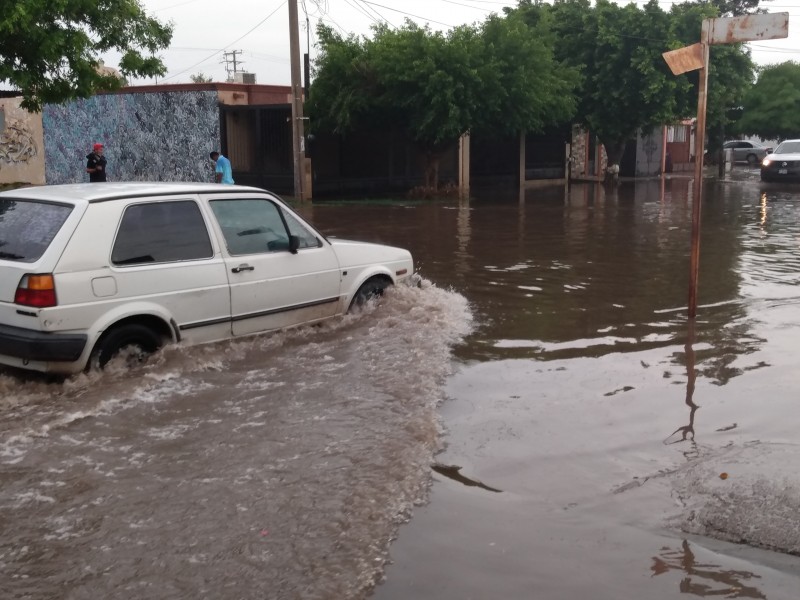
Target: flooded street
[[588, 442]]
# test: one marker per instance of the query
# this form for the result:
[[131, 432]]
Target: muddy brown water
[[543, 365]]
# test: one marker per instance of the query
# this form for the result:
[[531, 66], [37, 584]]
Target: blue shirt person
[[223, 172]]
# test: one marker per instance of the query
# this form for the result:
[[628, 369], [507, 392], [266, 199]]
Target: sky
[[258, 31]]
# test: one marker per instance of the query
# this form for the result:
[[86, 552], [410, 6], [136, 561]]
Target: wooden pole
[[697, 195], [298, 137]]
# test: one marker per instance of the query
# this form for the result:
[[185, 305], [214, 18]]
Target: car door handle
[[244, 267]]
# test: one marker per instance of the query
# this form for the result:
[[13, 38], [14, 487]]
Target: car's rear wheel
[[371, 288], [140, 340], [752, 159]]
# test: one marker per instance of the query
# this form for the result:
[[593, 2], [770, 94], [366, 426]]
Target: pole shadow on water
[[704, 579], [686, 432]]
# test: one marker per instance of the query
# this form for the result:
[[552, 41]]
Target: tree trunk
[[614, 152], [432, 160]]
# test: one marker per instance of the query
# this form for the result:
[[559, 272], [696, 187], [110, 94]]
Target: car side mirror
[[294, 244]]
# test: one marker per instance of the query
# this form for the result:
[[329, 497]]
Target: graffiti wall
[[21, 156], [147, 136]]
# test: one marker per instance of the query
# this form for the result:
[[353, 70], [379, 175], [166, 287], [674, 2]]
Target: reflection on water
[[454, 472], [686, 432], [704, 579]]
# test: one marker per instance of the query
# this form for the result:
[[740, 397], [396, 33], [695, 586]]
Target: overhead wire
[[362, 11], [405, 13], [257, 25], [379, 15]]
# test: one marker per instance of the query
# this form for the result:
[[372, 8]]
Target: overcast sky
[[206, 29]]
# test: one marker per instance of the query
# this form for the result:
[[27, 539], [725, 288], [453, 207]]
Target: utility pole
[[298, 137], [230, 57]]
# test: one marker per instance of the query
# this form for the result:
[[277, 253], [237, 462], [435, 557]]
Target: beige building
[[21, 144]]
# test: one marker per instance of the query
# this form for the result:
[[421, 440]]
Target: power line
[[488, 10], [362, 11], [402, 12], [261, 22], [381, 16]]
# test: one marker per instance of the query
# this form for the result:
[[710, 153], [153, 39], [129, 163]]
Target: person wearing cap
[[96, 164], [222, 170]]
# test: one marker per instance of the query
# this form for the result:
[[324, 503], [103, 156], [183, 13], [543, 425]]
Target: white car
[[747, 151], [87, 270], [783, 164]]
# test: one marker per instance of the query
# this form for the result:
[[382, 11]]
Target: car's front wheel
[[371, 288], [136, 338]]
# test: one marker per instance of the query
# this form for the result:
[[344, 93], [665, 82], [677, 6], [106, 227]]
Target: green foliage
[[50, 49], [626, 85], [200, 78], [730, 73], [499, 77], [772, 106], [732, 8]]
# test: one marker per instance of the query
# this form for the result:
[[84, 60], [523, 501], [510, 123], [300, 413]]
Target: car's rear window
[[27, 227]]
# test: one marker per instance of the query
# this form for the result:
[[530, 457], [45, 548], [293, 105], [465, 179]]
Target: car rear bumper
[[28, 344]]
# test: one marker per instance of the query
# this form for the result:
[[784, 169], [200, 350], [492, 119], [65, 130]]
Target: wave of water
[[272, 466]]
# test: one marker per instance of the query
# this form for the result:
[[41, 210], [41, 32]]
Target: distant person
[[223, 172], [96, 164]]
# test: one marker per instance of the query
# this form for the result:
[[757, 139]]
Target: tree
[[626, 85], [730, 72], [438, 86], [772, 106], [50, 50], [200, 78]]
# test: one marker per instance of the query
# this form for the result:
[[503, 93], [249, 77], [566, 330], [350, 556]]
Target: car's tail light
[[36, 290]]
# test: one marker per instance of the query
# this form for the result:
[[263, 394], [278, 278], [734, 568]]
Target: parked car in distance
[[749, 152], [88, 270], [783, 163]]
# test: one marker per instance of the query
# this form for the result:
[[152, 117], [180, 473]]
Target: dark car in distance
[[783, 163]]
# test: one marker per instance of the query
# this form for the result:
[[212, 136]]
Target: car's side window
[[307, 238], [251, 225], [157, 232]]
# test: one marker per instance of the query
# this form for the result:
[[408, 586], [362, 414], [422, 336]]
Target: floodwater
[[538, 420]]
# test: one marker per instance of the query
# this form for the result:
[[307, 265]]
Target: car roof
[[77, 193]]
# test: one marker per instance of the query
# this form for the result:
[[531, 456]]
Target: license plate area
[[782, 171]]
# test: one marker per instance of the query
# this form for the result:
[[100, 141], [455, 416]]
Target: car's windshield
[[27, 228], [788, 147]]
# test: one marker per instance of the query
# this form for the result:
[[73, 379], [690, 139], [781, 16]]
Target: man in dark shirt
[[96, 164]]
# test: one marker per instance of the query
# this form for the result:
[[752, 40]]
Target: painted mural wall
[[147, 136], [21, 144]]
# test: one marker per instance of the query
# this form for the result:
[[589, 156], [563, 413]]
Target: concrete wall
[[580, 165], [649, 147], [21, 144], [161, 136]]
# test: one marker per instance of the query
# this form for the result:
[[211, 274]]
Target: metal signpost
[[690, 58]]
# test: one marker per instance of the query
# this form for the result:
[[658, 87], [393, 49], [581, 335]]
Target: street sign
[[688, 58], [749, 28], [731, 30]]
